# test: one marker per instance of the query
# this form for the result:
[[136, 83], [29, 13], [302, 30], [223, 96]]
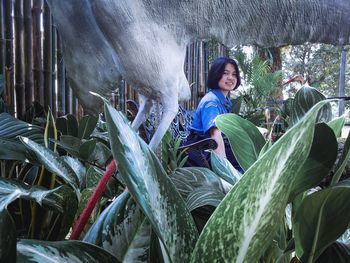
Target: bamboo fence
[[33, 67]]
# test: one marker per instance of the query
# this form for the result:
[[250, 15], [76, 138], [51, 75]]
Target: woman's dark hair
[[217, 70]]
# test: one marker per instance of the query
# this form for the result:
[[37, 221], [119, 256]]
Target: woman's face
[[228, 80]]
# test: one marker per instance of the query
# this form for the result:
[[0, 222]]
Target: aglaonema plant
[[244, 223], [308, 210]]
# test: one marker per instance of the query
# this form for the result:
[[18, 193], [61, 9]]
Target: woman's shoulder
[[209, 100], [210, 97]]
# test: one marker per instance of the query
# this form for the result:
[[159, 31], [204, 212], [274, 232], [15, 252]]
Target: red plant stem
[[90, 205]]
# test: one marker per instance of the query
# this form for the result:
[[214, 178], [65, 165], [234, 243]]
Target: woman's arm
[[215, 134]]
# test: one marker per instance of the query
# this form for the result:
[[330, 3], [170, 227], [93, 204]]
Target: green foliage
[[245, 139], [172, 157], [259, 83], [152, 189], [158, 214]]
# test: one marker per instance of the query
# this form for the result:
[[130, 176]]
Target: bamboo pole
[[54, 70], [2, 40], [47, 56], [37, 57], [19, 58], [28, 52], [61, 75], [9, 70]]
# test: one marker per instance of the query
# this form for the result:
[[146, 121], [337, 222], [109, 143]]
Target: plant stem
[[89, 207]]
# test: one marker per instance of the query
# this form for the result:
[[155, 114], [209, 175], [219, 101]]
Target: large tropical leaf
[[53, 163], [246, 221], [245, 139], [188, 179], [61, 199], [10, 190], [61, 251], [87, 125], [337, 252], [10, 127], [78, 168], [342, 161], [139, 249], [151, 188], [321, 218], [203, 196], [68, 125], [320, 161], [304, 100], [337, 125], [118, 226], [224, 169]]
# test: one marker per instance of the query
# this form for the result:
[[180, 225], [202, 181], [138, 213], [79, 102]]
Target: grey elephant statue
[[144, 41]]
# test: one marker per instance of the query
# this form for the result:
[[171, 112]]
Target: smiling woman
[[223, 77]]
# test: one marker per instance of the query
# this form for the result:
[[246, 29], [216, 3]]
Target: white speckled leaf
[[245, 139], [117, 227], [53, 163], [61, 251], [10, 190], [139, 248], [246, 221], [151, 188]]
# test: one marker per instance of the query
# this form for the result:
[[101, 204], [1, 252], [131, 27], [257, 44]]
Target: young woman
[[223, 77]]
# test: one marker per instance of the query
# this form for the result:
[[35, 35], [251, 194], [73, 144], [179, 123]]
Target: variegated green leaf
[[10, 190], [321, 218], [246, 221], [101, 155], [78, 168], [203, 196], [87, 125], [11, 149], [342, 161], [337, 125], [7, 237], [151, 188], [53, 163], [304, 100], [224, 169], [61, 251], [320, 161], [189, 179], [10, 127], [117, 226], [61, 199], [245, 139], [139, 249]]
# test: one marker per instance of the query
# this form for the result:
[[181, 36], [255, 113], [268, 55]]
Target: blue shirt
[[211, 105]]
